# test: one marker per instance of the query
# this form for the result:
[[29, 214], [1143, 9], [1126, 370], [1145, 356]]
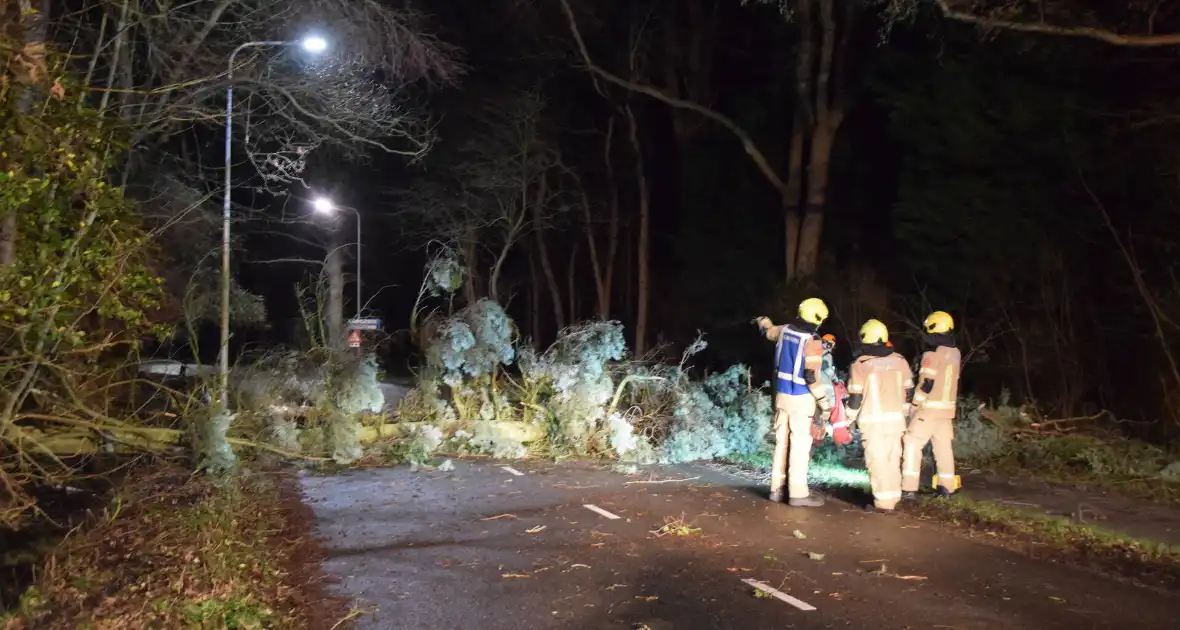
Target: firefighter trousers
[[793, 416], [940, 432], [883, 459]]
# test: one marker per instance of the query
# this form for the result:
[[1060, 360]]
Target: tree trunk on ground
[[643, 244], [334, 270]]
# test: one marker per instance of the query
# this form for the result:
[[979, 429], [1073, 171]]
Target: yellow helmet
[[939, 322], [874, 331], [813, 311]]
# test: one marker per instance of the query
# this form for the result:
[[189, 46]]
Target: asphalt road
[[481, 548]]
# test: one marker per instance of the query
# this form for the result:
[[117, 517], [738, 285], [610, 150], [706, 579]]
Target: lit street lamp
[[310, 44], [324, 206]]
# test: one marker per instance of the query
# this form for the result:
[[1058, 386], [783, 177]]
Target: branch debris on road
[[661, 481]]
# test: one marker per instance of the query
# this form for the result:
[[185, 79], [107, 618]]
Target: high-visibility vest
[[789, 360]]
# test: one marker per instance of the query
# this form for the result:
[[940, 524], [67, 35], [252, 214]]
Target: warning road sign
[[354, 339]]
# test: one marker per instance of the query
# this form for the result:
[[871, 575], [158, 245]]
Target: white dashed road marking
[[797, 603], [513, 471], [600, 511]]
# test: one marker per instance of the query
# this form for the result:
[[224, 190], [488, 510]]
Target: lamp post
[[324, 206], [310, 44]]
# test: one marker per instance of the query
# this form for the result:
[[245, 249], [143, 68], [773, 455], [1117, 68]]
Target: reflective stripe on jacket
[[940, 375], [790, 361], [882, 382]]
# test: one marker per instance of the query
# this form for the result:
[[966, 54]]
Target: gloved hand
[[762, 321], [818, 432], [825, 405]]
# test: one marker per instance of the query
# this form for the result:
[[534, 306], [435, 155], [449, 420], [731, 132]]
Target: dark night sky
[[954, 179]]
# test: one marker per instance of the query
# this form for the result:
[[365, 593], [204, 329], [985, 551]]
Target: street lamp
[[312, 44], [324, 206]]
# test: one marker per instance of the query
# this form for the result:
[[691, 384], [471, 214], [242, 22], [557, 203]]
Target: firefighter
[[798, 361], [933, 416], [880, 384]]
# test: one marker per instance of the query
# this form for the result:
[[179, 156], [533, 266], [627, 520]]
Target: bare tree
[[816, 95], [820, 107], [602, 260], [349, 97], [486, 196], [161, 70], [1066, 18]]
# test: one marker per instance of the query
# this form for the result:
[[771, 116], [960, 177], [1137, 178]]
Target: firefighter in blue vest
[[798, 390]]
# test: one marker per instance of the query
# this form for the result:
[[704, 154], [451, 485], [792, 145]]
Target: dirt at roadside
[[175, 551]]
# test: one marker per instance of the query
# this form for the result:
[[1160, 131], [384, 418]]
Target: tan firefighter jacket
[[938, 383], [882, 383]]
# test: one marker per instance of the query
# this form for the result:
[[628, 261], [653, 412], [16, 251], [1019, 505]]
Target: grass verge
[[176, 551], [1034, 533], [1057, 538]]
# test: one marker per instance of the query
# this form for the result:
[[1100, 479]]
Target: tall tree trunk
[[34, 32], [827, 113], [604, 270], [792, 196], [334, 270], [535, 297], [804, 120], [612, 238], [572, 281], [117, 57], [471, 261], [817, 188], [543, 255], [643, 244]]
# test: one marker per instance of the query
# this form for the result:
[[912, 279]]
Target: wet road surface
[[484, 548]]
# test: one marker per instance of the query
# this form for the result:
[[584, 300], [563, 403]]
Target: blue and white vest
[[789, 360]]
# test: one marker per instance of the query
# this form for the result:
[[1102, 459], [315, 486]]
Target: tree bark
[[792, 196], [818, 170], [471, 261], [612, 239], [543, 254], [534, 297], [643, 244], [34, 32], [804, 120], [117, 57], [572, 281]]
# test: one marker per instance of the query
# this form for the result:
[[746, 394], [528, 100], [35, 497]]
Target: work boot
[[811, 500], [943, 493], [909, 495], [776, 497], [872, 509]]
